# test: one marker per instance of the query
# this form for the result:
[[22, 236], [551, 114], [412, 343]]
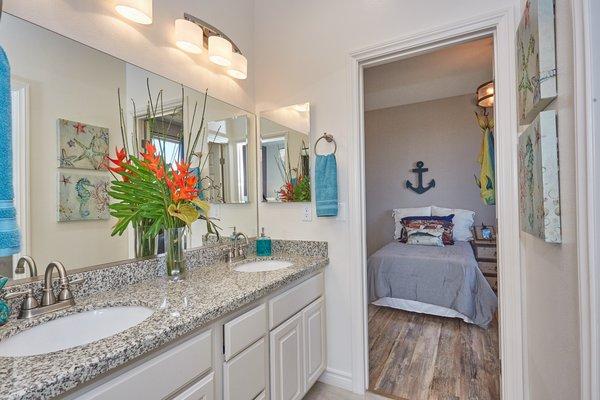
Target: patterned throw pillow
[[416, 222], [425, 236]]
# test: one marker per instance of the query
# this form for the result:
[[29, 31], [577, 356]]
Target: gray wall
[[441, 133]]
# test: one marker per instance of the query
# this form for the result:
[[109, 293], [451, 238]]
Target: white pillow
[[400, 213], [463, 221]]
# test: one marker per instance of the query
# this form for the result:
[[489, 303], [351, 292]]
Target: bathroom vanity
[[219, 334]]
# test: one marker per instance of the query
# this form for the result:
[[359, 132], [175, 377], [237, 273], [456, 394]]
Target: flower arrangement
[[296, 182], [150, 193]]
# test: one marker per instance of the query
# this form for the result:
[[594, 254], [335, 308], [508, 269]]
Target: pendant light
[[239, 66], [139, 11], [189, 37], [485, 95], [219, 51]]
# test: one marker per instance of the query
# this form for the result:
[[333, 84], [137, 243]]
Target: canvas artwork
[[82, 145], [536, 58], [82, 196], [539, 193]]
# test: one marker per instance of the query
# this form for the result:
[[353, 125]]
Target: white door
[[314, 341], [287, 360]]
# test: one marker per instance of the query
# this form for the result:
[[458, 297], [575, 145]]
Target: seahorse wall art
[[539, 192], [82, 196], [536, 57]]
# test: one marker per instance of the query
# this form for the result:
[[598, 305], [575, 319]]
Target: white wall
[[301, 53], [551, 287], [96, 24], [446, 137]]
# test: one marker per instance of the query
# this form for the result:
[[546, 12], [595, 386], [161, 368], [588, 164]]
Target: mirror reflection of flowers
[[147, 191], [296, 180]]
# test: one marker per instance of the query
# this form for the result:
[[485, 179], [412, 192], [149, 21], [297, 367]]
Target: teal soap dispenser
[[4, 308], [263, 245]]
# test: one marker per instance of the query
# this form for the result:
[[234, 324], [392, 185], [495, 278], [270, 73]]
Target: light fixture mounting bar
[[210, 30]]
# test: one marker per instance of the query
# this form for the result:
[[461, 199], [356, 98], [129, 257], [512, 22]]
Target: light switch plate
[[215, 211], [307, 213]]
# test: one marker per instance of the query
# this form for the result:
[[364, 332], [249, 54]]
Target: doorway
[[431, 225], [499, 25]]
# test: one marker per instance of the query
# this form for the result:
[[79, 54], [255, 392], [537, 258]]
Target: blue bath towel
[[9, 231], [326, 188]]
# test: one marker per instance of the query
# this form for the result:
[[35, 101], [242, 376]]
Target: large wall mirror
[[285, 154], [66, 118]]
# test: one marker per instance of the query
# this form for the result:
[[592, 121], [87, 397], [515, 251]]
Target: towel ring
[[329, 139]]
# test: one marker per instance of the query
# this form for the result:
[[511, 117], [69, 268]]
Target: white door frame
[[500, 24], [586, 61]]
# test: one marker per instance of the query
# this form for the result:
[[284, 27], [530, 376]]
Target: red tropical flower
[[119, 163], [181, 183]]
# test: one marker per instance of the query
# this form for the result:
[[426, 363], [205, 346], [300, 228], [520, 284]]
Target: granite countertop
[[208, 293]]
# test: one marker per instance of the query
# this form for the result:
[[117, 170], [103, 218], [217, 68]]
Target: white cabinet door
[[203, 390], [287, 360], [244, 376], [314, 341]]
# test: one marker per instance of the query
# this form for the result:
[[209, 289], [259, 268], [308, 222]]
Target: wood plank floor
[[423, 357]]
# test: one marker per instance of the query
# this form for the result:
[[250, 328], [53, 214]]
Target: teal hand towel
[[326, 187], [9, 231]]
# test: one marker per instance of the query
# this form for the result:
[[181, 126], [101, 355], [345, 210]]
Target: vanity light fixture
[[239, 66], [221, 50], [189, 37], [139, 11], [485, 95], [302, 107]]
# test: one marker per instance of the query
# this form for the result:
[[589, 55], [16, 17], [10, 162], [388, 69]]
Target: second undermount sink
[[73, 330], [263, 265]]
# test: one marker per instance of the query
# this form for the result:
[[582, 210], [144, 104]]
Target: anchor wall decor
[[420, 189]]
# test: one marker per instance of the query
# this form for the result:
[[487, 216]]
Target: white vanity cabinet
[[298, 352], [271, 349]]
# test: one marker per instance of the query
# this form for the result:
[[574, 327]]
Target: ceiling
[[452, 71]]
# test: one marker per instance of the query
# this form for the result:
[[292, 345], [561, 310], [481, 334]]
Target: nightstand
[[487, 259]]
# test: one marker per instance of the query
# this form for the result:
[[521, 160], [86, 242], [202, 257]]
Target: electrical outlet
[[307, 213], [215, 211]]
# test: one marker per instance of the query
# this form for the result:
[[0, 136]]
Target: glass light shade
[[485, 95], [219, 51], [189, 36], [239, 66], [139, 11], [302, 107]]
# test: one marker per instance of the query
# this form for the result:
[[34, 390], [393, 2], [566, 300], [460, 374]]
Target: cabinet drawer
[[245, 330], [244, 377], [295, 299], [161, 375], [487, 252], [203, 390], [488, 267]]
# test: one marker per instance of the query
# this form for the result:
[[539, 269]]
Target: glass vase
[[144, 246], [175, 248]]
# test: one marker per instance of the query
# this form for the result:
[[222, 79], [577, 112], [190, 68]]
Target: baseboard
[[337, 378]]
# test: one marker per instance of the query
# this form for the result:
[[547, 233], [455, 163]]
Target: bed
[[443, 281]]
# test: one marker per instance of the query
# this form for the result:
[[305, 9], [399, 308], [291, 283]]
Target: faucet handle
[[65, 288], [29, 303]]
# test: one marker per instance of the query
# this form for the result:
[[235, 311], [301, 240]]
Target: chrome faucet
[[20, 269], [237, 251], [30, 307]]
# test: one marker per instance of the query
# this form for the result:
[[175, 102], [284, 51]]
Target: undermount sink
[[73, 330], [263, 265]]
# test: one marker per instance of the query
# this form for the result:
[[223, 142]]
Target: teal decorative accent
[[4, 308], [263, 245]]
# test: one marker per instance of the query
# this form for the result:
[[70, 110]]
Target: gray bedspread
[[444, 276]]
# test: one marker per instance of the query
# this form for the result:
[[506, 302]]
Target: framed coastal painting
[[539, 191], [536, 59], [82, 146], [83, 196]]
